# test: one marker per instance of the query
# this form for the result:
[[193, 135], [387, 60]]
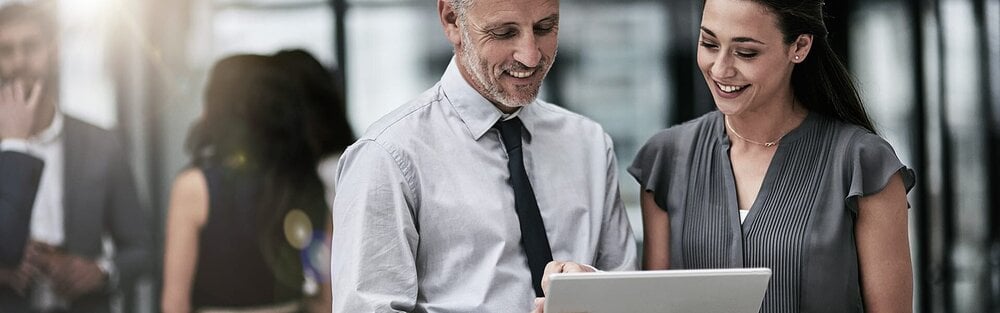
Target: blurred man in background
[[87, 232]]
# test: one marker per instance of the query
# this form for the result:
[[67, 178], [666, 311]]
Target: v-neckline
[[766, 185]]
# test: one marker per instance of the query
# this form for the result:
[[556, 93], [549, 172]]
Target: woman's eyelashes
[[746, 54]]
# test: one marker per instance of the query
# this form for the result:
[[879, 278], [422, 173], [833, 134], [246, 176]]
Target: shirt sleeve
[[872, 163], [652, 164], [617, 250], [375, 236]]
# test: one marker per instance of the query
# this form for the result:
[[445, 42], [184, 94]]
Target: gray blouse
[[801, 224]]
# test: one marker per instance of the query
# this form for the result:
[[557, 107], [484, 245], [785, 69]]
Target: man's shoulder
[[75, 126], [575, 122], [79, 135], [405, 119]]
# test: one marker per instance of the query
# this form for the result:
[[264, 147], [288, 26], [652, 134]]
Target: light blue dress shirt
[[424, 216]]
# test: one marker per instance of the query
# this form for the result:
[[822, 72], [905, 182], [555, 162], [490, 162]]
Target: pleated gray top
[[801, 224]]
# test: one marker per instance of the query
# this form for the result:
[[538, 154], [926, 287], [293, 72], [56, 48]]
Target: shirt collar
[[478, 114], [51, 133]]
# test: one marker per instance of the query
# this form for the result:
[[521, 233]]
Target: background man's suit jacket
[[99, 198]]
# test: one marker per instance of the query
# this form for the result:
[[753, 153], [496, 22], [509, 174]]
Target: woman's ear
[[800, 48], [449, 20]]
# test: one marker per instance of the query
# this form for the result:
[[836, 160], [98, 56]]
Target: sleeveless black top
[[231, 270]]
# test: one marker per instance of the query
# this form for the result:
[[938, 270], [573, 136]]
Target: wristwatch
[[107, 266]]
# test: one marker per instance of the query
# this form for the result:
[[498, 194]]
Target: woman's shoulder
[[189, 197], [674, 142], [684, 134], [851, 138]]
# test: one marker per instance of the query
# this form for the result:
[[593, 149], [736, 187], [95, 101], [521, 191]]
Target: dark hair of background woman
[[821, 82], [329, 132], [255, 123]]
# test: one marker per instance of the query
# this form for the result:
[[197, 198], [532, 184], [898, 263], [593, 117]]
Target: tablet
[[738, 290]]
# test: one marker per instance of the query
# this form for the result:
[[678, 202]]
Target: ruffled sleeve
[[872, 162], [651, 165]]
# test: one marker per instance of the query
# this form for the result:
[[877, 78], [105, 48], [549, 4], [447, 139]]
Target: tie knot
[[510, 133]]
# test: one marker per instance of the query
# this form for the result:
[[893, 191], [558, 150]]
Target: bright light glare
[[83, 10]]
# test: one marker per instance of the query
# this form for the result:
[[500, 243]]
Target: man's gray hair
[[461, 7]]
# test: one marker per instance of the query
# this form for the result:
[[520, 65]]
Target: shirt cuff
[[16, 145], [107, 266]]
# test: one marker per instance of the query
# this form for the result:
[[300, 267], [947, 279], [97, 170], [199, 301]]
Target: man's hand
[[19, 279], [539, 305], [17, 109], [555, 267], [23, 277], [74, 276]]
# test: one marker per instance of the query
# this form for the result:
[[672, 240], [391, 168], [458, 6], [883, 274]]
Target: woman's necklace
[[765, 144]]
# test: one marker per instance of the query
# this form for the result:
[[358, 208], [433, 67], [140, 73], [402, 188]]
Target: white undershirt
[[743, 215], [47, 213]]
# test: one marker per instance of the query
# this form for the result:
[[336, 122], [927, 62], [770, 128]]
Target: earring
[[796, 57]]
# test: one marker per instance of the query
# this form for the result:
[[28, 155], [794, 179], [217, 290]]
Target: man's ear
[[449, 20], [801, 47]]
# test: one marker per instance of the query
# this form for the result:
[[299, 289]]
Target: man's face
[[507, 48], [25, 53]]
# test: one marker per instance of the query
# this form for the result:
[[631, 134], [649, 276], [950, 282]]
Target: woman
[[240, 229], [329, 133], [787, 174]]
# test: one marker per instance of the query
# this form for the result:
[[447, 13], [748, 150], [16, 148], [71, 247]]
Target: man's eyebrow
[[551, 18]]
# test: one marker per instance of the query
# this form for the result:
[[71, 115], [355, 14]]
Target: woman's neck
[[767, 124]]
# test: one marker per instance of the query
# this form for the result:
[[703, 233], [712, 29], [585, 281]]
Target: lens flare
[[298, 229]]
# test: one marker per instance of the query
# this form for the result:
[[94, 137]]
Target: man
[[85, 194], [456, 201]]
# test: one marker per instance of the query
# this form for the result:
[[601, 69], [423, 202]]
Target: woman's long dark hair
[[330, 132], [821, 82], [254, 125]]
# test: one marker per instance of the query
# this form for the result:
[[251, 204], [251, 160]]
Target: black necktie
[[533, 238]]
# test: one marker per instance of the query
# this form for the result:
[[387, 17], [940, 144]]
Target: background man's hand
[[74, 276], [17, 109], [19, 279]]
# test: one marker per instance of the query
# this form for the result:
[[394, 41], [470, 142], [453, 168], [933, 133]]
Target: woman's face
[[742, 54]]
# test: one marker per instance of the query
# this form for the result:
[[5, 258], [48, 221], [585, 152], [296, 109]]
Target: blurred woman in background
[[328, 134], [248, 220]]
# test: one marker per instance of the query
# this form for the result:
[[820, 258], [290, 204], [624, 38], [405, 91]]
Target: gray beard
[[493, 91]]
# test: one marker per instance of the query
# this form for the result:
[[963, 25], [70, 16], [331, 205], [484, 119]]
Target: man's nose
[[527, 51]]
